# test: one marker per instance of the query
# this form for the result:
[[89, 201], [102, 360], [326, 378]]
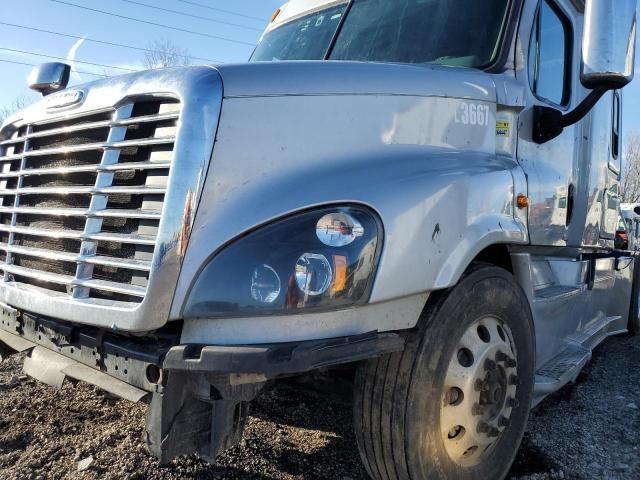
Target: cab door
[[547, 39]]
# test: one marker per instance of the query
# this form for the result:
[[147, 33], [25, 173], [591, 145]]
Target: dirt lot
[[588, 430]]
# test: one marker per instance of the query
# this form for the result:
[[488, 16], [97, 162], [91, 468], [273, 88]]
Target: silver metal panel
[[46, 366], [15, 342], [199, 90], [442, 192], [103, 381], [354, 78], [565, 307]]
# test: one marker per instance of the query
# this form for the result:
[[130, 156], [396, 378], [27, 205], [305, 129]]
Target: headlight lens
[[322, 259], [338, 229], [313, 274]]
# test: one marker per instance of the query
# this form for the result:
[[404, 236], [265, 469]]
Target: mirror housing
[[608, 43], [608, 56], [49, 78]]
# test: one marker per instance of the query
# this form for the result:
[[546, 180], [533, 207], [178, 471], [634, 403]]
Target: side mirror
[[49, 77], [608, 55], [608, 43]]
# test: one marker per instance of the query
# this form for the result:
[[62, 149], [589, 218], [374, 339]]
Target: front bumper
[[198, 394]]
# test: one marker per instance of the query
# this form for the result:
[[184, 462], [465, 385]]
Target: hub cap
[[479, 393]]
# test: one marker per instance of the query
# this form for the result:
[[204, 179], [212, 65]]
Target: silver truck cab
[[424, 191]]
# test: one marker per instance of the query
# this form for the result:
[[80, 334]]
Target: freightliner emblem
[[64, 99]]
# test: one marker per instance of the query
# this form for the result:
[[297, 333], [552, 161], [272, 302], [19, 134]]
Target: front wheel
[[454, 404]]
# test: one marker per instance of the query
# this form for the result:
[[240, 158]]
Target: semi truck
[[421, 193]]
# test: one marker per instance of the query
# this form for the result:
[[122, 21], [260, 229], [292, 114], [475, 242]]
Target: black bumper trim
[[281, 358]]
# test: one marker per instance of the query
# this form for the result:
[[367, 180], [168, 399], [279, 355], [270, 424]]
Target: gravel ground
[[589, 430]]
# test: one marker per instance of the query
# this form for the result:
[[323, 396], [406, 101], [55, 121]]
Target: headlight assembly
[[317, 260]]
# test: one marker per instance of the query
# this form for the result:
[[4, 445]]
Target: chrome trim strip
[[88, 168], [130, 264], [81, 212], [113, 287], [74, 235], [94, 126], [141, 190], [91, 146]]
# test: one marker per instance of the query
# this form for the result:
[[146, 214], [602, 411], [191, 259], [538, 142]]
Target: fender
[[440, 205]]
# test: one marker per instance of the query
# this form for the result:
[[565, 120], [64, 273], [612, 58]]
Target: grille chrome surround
[[75, 284], [97, 188]]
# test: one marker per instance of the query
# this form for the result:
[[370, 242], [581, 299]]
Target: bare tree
[[630, 181], [18, 104], [165, 53]]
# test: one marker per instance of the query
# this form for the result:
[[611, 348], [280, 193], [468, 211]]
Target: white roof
[[299, 8]]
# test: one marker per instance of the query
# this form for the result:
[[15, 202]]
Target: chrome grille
[[81, 200]]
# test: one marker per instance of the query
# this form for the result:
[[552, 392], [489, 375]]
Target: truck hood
[[354, 78]]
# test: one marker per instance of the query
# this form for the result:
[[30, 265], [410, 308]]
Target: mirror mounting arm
[[578, 113], [549, 122]]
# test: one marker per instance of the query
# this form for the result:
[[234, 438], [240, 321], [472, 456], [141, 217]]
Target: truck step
[[555, 292], [565, 364], [560, 370], [593, 335]]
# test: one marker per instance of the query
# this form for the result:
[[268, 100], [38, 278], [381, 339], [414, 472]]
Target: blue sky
[[59, 17], [63, 18]]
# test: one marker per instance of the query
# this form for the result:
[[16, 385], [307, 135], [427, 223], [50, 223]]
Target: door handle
[[623, 263], [570, 195]]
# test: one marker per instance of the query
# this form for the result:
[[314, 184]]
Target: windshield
[[448, 32]]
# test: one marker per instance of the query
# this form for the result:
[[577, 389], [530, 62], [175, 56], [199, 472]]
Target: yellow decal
[[503, 128]]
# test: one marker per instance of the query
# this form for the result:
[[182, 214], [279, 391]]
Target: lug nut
[[481, 386], [503, 421], [511, 363], [501, 357], [489, 365], [477, 409], [493, 432]]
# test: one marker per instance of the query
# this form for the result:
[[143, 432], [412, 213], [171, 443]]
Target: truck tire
[[455, 403], [634, 309]]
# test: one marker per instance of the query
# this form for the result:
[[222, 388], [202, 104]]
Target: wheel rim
[[479, 392]]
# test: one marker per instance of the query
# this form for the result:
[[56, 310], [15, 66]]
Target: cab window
[[549, 55]]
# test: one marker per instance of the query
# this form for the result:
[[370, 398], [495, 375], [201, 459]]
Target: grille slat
[[81, 200], [71, 281], [82, 212], [92, 126], [98, 237], [65, 150], [66, 190], [87, 168], [131, 264]]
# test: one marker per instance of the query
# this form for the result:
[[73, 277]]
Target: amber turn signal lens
[[522, 201], [275, 15], [340, 274]]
